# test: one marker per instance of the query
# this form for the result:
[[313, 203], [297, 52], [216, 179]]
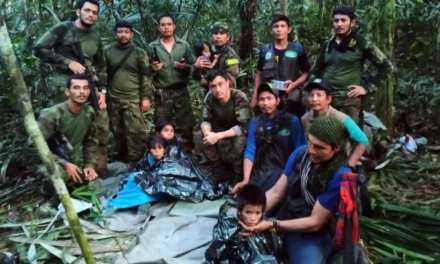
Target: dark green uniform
[[172, 99], [79, 130], [235, 114], [342, 65], [228, 60], [54, 48], [126, 88]]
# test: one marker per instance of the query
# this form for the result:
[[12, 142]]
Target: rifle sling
[[120, 64]]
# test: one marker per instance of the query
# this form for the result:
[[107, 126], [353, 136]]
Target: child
[[133, 195], [166, 130], [202, 49], [158, 148], [229, 243], [251, 202]]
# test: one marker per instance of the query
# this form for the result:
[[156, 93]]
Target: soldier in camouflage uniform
[[341, 61], [55, 48], [228, 59], [172, 69], [128, 94], [226, 115], [75, 121]]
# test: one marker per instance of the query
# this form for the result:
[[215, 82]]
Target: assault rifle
[[60, 146], [90, 72]]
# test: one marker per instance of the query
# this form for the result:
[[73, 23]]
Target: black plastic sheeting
[[178, 176], [229, 247]]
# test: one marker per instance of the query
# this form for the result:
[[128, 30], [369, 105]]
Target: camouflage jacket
[[236, 113], [229, 61], [79, 130], [54, 47], [342, 64], [132, 82]]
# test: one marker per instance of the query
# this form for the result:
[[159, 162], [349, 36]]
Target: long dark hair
[[199, 47]]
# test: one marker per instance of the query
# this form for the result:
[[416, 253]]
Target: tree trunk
[[247, 13], [384, 94], [284, 7], [7, 52]]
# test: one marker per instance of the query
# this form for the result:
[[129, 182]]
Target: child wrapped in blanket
[[232, 245]]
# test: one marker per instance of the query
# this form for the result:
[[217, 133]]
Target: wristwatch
[[104, 91], [275, 224]]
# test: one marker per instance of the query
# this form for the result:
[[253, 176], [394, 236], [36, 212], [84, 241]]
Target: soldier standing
[[172, 63], [60, 48], [128, 94], [283, 61], [228, 59], [341, 60]]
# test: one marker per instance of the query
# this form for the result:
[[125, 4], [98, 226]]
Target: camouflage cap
[[220, 27]]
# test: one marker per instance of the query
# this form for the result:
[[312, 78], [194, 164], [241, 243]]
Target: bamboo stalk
[[7, 52]]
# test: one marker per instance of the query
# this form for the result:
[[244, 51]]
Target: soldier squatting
[[259, 139]]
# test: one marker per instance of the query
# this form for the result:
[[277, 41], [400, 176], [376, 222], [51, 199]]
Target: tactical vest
[[274, 147], [287, 68], [295, 205]]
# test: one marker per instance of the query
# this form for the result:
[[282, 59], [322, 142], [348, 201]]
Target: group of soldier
[[239, 147], [126, 79]]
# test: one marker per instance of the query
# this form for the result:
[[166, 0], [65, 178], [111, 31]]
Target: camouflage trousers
[[102, 125], [174, 104], [128, 128], [349, 106], [227, 152]]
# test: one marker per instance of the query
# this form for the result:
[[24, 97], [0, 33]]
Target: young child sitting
[[230, 242], [133, 195], [158, 147], [166, 130]]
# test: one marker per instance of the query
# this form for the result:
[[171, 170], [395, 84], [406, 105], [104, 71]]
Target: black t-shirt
[[304, 65]]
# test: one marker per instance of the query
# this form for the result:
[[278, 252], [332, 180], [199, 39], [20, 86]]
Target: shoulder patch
[[291, 54], [268, 55], [233, 61], [284, 132]]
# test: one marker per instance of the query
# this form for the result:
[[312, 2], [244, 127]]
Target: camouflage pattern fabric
[[349, 106], [228, 151], [176, 103], [229, 61], [128, 128], [102, 131], [342, 65]]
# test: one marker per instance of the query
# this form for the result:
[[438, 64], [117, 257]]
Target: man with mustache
[[341, 62], [56, 48], [272, 137], [284, 61], [228, 59], [129, 83], [225, 118], [319, 99], [74, 120]]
